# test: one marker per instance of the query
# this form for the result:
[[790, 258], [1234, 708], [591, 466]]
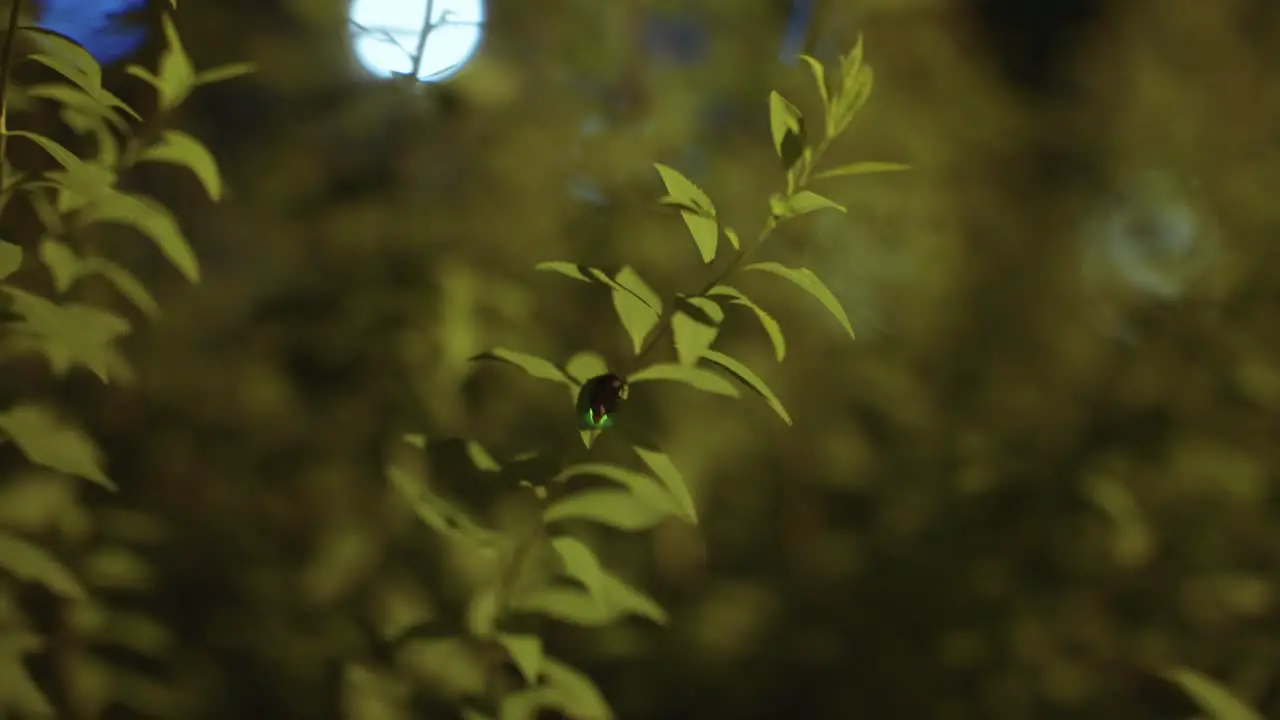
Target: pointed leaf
[[68, 335], [10, 258], [63, 263], [568, 604], [770, 325], [179, 148], [784, 120], [665, 470], [535, 366], [732, 236], [695, 327], [223, 73], [704, 380], [622, 597], [49, 442], [1211, 697], [82, 67], [631, 281], [861, 168], [638, 319], [819, 79], [29, 562], [574, 695], [810, 283], [751, 380], [682, 191], [568, 269], [525, 652], [586, 365], [125, 282], [153, 220], [580, 563], [19, 693], [608, 506], [802, 203], [645, 489], [705, 231], [481, 458], [176, 76]]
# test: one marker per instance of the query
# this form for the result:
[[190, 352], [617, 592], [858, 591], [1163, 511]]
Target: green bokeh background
[[1024, 486]]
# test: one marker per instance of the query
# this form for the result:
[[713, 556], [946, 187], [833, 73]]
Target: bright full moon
[[387, 34]]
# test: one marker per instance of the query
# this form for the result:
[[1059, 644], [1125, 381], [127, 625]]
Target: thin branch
[[427, 27], [6, 69]]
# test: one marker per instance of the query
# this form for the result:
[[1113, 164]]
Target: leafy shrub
[[580, 590], [64, 328]]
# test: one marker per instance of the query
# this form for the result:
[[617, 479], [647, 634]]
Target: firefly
[[598, 401]]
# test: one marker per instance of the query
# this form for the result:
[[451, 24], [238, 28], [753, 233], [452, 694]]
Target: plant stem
[[664, 322], [421, 49], [6, 69], [524, 547]]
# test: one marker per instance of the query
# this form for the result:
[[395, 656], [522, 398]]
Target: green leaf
[[786, 125], [732, 236], [819, 79], [29, 562], [852, 98], [84, 182], [223, 73], [49, 442], [66, 57], [99, 104], [63, 263], [68, 335], [19, 693], [580, 563], [631, 281], [705, 231], [704, 380], [179, 148], [10, 258], [481, 457], [526, 652], [665, 470], [585, 365], [67, 268], [575, 605], [577, 695], [1211, 697], [435, 511], [624, 598], [861, 168], [802, 203], [125, 282], [535, 366], [695, 327], [567, 604], [568, 269], [638, 319], [751, 380], [143, 74], [643, 488], [613, 507], [810, 283], [770, 325], [154, 221], [681, 191], [175, 76]]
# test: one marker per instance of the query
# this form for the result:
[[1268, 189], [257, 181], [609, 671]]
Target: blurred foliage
[[1042, 478]]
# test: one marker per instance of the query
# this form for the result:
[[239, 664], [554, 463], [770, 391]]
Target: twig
[[6, 69]]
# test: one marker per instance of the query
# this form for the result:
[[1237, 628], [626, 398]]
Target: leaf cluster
[[640, 495], [68, 332]]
